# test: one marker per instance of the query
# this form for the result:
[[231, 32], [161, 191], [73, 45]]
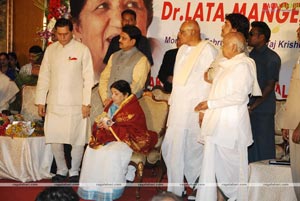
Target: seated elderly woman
[[8, 91], [117, 132]]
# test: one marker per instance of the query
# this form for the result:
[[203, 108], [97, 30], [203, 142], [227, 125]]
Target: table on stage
[[25, 159], [270, 182]]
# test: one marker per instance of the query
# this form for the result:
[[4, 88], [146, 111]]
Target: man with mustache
[[127, 64]]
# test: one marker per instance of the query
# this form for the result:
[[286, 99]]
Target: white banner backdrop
[[281, 16]]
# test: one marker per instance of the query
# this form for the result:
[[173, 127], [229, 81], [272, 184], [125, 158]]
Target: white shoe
[[130, 175]]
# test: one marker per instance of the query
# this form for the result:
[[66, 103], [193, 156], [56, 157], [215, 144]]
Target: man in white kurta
[[291, 122], [181, 151], [226, 130], [65, 83]]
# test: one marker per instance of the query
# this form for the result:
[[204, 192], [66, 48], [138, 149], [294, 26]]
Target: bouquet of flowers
[[4, 122], [19, 129]]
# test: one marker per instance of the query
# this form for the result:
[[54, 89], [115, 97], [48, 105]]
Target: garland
[[54, 10]]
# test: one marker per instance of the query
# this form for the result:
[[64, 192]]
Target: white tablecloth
[[270, 182], [25, 159]]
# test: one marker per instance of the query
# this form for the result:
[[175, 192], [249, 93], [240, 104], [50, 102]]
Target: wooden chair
[[29, 110], [159, 93], [156, 113]]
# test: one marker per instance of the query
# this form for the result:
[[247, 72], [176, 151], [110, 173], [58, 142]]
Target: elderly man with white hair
[[226, 130]]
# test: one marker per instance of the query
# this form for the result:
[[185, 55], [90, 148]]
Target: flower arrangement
[[4, 121], [55, 9], [19, 129]]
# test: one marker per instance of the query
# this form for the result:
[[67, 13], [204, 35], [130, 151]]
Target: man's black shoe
[[74, 179], [59, 178]]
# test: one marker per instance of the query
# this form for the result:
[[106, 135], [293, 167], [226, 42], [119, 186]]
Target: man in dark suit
[[165, 74]]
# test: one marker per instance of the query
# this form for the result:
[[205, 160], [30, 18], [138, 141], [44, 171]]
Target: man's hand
[[285, 134], [296, 135], [170, 79], [86, 111], [41, 110], [35, 69], [201, 116], [201, 106], [206, 77]]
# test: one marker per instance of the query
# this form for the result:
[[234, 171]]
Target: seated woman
[[117, 132]]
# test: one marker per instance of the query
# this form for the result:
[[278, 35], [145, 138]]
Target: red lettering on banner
[[294, 14], [199, 12], [211, 11], [253, 14], [219, 13], [209, 6], [268, 11], [283, 12], [151, 83], [237, 10], [167, 10], [156, 83], [280, 91], [187, 17], [279, 19]]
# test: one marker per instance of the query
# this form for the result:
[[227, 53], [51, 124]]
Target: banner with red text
[[281, 16]]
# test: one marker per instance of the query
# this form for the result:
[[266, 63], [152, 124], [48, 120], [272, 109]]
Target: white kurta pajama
[[226, 130], [67, 74], [65, 82], [181, 151]]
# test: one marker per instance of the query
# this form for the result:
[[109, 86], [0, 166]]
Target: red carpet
[[18, 191], [30, 193]]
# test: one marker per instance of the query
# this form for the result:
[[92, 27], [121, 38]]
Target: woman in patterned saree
[[117, 132]]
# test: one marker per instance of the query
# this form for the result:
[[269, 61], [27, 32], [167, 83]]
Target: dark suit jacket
[[167, 68]]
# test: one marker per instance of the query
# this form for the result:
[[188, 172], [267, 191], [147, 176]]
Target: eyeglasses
[[253, 33]]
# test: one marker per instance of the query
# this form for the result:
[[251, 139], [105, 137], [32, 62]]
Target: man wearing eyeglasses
[[262, 109]]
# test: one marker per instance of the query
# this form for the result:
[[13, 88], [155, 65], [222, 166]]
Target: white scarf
[[188, 66]]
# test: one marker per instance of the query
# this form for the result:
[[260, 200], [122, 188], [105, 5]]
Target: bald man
[[181, 152], [226, 131]]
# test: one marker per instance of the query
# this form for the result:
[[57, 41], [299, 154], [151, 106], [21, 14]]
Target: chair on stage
[[159, 93], [156, 112]]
